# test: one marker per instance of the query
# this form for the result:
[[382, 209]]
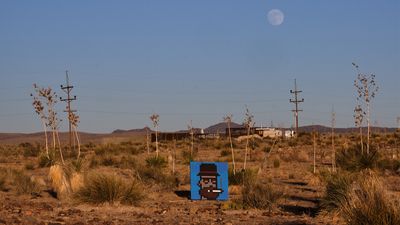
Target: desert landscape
[[279, 185], [227, 112]]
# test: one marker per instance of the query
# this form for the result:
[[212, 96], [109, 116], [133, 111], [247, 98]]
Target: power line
[[296, 101], [67, 89]]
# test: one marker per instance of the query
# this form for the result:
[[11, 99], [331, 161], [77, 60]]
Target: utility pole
[[314, 150], [67, 89], [333, 141], [398, 123], [296, 101]]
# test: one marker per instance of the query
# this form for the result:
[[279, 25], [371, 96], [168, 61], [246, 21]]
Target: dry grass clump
[[105, 188], [3, 179], [188, 157], [156, 162], [368, 202], [60, 182], [295, 155], [337, 188], [259, 196], [242, 177], [154, 175], [29, 166], [29, 150], [24, 184]]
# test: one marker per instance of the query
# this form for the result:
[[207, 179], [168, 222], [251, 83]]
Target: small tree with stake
[[155, 118], [366, 91], [228, 121], [248, 123]]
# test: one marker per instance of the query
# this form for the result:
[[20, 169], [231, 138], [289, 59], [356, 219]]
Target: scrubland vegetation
[[278, 179]]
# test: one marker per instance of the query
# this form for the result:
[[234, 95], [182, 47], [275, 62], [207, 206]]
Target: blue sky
[[197, 60]]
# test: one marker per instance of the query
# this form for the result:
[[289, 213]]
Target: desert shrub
[[29, 150], [94, 162], [108, 160], [47, 161], [389, 164], [156, 162], [254, 143], [225, 152], [24, 184], [104, 188], [187, 157], [292, 142], [29, 166], [267, 149], [368, 202], [78, 165], [277, 163], [227, 144], [128, 162], [353, 159], [259, 196], [337, 188], [242, 177], [100, 150], [127, 147], [155, 175], [3, 179], [295, 155]]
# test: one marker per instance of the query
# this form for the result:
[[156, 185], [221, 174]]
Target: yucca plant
[[48, 115], [366, 91], [352, 159]]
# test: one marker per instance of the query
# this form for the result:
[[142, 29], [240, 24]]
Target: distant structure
[[180, 135], [289, 133], [263, 132]]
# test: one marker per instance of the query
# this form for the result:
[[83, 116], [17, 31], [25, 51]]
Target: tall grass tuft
[[60, 182], [24, 184], [337, 188], [368, 202], [105, 188]]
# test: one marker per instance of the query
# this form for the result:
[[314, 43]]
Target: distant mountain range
[[121, 135], [144, 130]]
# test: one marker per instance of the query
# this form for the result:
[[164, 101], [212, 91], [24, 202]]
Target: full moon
[[275, 17]]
